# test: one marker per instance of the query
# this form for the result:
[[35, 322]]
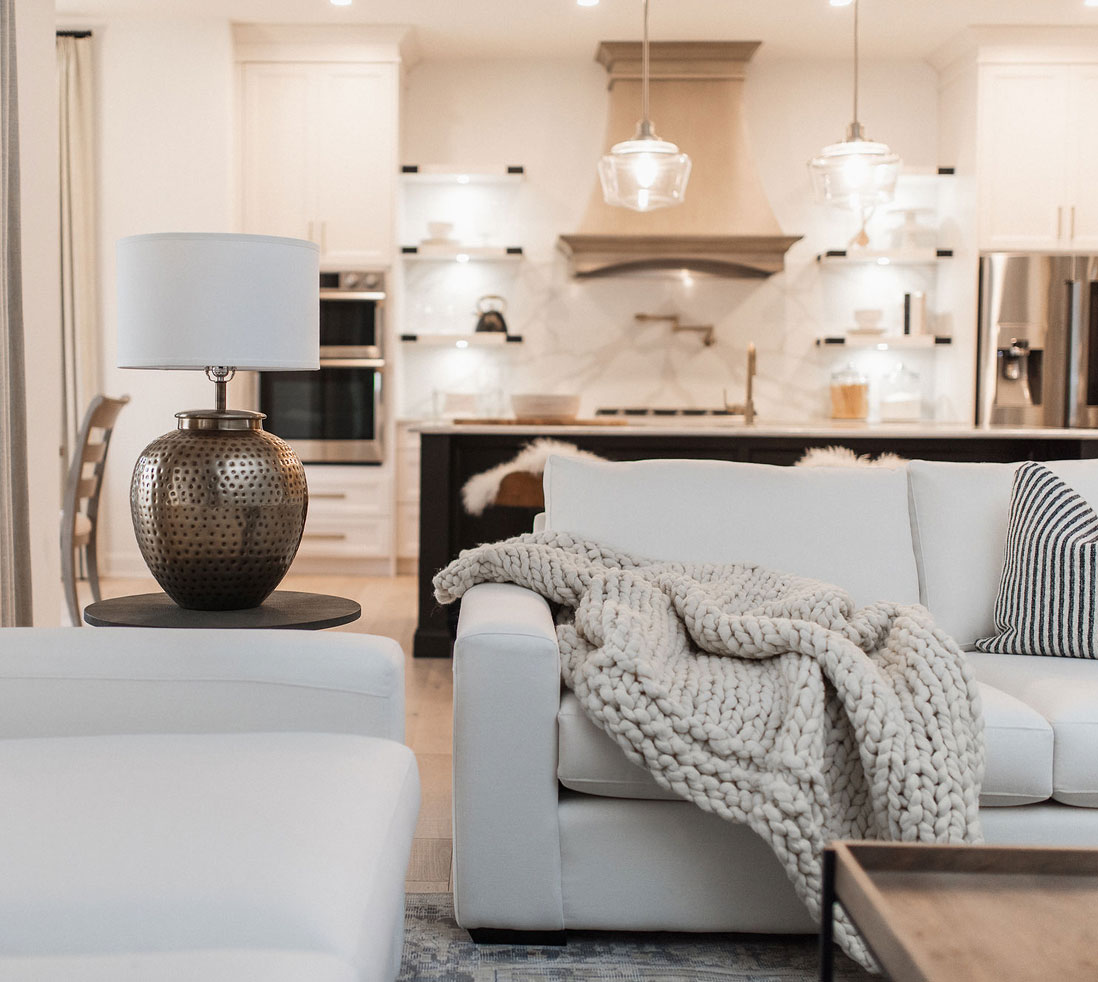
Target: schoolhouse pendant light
[[858, 174], [644, 173]]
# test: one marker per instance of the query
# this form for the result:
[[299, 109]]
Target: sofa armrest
[[507, 869], [99, 681]]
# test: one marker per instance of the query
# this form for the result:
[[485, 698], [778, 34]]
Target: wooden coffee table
[[966, 913]]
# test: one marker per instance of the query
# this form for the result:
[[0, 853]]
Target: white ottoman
[[267, 856]]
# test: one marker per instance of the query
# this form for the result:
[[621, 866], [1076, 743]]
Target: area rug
[[436, 948]]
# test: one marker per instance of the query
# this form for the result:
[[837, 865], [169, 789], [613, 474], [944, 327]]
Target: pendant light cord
[[644, 71], [855, 58]]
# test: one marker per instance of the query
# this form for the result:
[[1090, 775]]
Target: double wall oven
[[335, 415]]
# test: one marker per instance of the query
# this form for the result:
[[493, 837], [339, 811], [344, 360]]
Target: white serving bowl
[[554, 408]]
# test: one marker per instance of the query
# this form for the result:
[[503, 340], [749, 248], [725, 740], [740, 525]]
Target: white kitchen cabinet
[[407, 493], [1036, 143], [349, 526], [318, 156]]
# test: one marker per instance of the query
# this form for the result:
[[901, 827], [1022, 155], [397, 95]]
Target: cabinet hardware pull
[[325, 535], [1059, 221], [327, 494], [1072, 235]]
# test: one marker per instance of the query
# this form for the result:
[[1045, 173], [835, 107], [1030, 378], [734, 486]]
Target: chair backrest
[[81, 485]]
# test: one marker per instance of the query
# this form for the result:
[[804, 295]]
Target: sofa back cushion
[[959, 518], [847, 526]]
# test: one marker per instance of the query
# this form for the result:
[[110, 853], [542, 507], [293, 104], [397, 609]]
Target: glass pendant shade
[[644, 174], [855, 174]]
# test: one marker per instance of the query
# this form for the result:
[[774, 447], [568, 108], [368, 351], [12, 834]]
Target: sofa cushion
[[836, 524], [959, 524], [1019, 755], [1047, 597], [183, 842], [1065, 692]]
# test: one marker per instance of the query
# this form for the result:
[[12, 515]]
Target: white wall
[[165, 101], [580, 335], [37, 80]]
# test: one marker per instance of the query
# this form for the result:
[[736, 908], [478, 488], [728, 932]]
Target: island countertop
[[722, 427]]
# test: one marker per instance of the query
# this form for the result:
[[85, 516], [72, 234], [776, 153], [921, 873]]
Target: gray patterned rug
[[436, 948]]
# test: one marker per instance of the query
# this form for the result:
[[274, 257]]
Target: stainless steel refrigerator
[[1037, 348]]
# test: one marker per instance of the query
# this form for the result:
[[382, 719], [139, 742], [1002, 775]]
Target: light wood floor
[[389, 608]]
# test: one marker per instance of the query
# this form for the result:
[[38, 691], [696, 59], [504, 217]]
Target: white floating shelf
[[462, 254], [882, 257], [451, 174], [883, 342], [485, 339]]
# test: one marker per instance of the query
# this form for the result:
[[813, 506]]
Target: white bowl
[[552, 408], [868, 318]]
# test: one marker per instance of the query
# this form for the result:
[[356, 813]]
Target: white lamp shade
[[854, 174], [193, 299]]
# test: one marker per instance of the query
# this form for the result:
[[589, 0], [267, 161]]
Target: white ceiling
[[561, 29]]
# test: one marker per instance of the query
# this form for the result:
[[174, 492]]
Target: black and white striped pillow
[[1049, 586]]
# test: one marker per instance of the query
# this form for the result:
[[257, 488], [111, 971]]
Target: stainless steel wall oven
[[335, 415]]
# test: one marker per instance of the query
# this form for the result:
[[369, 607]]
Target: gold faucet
[[746, 409], [707, 331]]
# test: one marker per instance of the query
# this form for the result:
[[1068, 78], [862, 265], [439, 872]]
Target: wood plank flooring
[[389, 609]]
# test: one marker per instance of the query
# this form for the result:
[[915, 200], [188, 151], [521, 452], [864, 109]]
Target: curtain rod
[[74, 34]]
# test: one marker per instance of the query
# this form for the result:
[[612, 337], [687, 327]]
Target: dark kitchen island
[[450, 454]]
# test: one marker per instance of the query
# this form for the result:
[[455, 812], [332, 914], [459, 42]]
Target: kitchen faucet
[[746, 409], [707, 332]]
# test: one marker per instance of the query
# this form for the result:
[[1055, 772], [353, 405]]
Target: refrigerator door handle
[[1072, 414]]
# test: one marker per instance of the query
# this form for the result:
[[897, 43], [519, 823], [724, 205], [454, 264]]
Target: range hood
[[725, 224]]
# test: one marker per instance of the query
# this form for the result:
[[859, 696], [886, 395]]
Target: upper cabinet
[[1038, 135], [318, 135]]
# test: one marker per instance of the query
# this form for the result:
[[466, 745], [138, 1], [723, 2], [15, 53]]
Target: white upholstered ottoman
[[200, 806], [267, 856]]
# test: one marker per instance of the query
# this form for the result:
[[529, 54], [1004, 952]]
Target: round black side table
[[286, 609]]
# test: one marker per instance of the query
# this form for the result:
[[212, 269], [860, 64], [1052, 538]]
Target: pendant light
[[858, 174], [644, 173]]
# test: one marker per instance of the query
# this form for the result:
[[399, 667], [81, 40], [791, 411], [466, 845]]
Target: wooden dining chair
[[80, 506]]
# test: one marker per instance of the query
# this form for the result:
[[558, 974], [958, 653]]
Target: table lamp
[[218, 504]]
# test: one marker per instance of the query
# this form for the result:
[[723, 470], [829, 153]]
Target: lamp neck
[[220, 375]]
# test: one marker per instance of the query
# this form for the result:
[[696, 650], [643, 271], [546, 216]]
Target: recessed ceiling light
[[1090, 3], [841, 3], [587, 3], [340, 3]]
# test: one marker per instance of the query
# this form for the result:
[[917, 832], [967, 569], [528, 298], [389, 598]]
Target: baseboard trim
[[495, 935]]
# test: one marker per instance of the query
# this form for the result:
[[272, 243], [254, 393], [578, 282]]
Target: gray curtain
[[79, 332], [15, 572]]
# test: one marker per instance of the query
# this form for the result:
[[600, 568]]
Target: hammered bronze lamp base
[[218, 507]]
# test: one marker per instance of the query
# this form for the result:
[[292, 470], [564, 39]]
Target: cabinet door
[[1024, 203], [275, 150], [356, 163], [1082, 222]]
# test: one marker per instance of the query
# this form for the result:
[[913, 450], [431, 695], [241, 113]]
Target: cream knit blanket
[[762, 697]]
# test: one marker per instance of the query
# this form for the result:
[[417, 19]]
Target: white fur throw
[[845, 457], [481, 489], [762, 697]]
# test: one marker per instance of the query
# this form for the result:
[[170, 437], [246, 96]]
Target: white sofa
[[554, 828], [202, 806]]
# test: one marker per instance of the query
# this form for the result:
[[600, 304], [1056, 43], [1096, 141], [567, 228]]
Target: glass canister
[[901, 399], [849, 394]]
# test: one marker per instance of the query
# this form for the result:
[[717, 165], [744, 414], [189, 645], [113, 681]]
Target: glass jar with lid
[[849, 394], [901, 399]]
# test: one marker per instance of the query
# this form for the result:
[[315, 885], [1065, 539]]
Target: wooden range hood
[[725, 224]]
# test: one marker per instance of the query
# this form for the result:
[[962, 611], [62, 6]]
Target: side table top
[[283, 609]]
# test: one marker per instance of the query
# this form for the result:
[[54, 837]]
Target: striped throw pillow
[[1049, 586]]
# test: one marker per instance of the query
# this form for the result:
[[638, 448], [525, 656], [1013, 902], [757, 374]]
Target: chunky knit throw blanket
[[763, 697]]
